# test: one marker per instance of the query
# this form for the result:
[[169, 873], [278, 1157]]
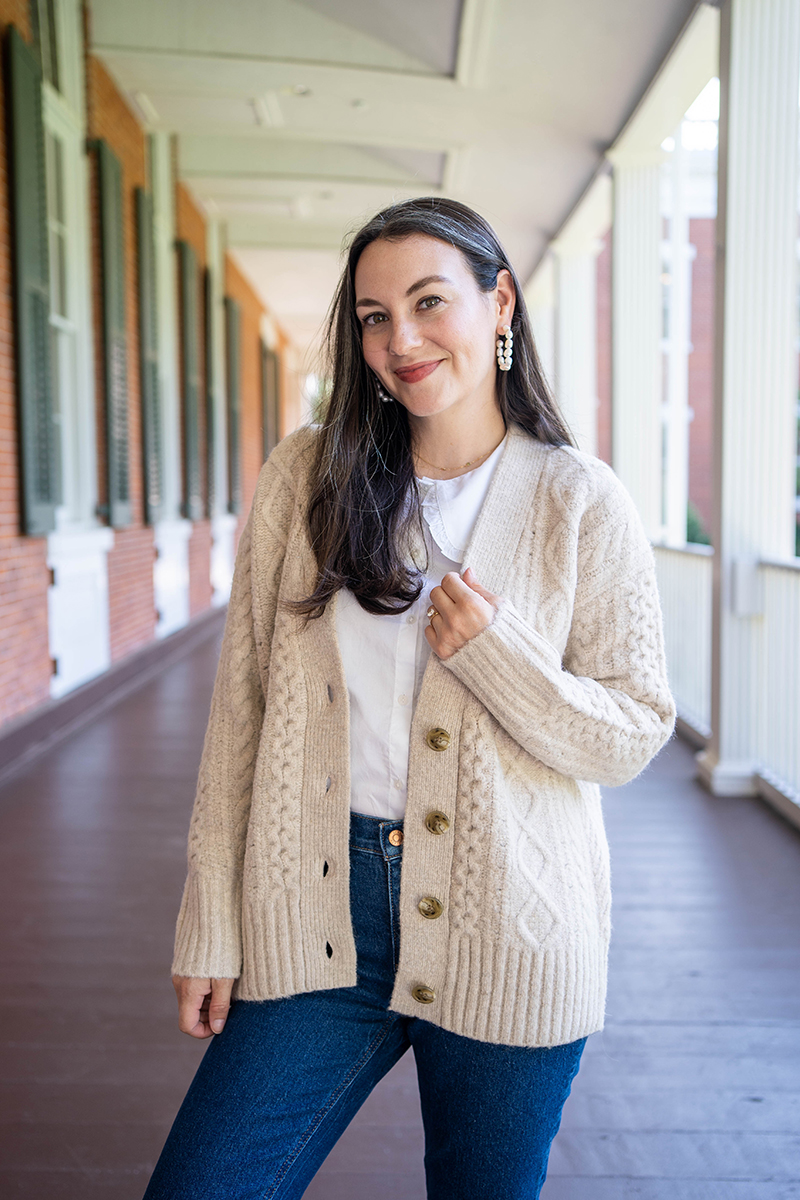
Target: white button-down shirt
[[385, 656]]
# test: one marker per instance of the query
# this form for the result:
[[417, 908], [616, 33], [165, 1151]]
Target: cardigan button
[[438, 739], [437, 822], [430, 907], [424, 995]]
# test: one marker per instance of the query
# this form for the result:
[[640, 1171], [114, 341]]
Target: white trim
[[77, 398], [163, 189], [215, 257]]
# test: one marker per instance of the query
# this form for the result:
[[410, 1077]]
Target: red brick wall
[[191, 228], [604, 350], [132, 614], [25, 666], [251, 428], [701, 368]]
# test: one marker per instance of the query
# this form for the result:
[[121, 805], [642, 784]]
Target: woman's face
[[429, 332]]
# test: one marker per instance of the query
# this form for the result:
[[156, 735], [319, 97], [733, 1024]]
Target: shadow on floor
[[692, 1092]]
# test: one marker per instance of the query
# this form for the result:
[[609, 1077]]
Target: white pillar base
[[726, 778], [171, 575], [77, 606], [223, 555]]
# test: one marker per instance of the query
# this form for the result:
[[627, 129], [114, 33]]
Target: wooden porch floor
[[691, 1093]]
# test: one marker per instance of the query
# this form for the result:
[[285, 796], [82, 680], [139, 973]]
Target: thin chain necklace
[[463, 467]]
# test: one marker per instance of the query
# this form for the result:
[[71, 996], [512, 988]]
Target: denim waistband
[[372, 833]]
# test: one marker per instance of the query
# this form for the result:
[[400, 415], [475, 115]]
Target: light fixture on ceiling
[[297, 89]]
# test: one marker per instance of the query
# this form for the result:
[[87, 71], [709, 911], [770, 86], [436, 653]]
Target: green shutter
[[233, 352], [190, 381], [208, 343], [39, 441], [115, 334], [270, 398], [152, 457]]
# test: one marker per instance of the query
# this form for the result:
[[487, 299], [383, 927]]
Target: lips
[[417, 372]]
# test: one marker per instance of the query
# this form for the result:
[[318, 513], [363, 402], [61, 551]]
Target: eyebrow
[[415, 287]]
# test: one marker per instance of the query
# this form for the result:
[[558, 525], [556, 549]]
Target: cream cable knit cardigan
[[565, 690]]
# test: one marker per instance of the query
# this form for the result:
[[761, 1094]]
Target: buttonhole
[[324, 869], [328, 784], [329, 949], [330, 693]]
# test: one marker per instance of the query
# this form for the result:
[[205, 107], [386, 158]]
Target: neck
[[446, 445]]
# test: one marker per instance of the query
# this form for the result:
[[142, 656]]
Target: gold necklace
[[471, 462]]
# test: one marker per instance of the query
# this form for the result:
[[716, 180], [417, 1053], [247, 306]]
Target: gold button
[[438, 739], [396, 837], [424, 995], [437, 822], [430, 907]]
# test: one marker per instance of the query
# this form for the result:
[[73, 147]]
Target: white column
[[576, 336], [223, 523], [636, 331], [675, 410], [540, 298], [163, 189], [171, 535], [755, 361]]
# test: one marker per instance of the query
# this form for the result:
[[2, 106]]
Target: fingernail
[[217, 1025]]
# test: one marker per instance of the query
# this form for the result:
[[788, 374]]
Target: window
[[45, 39]]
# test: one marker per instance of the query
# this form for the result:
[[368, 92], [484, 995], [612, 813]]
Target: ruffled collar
[[451, 506]]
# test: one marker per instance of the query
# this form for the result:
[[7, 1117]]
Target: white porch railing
[[779, 706], [684, 582]]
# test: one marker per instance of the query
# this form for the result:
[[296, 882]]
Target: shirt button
[[402, 699], [437, 822], [430, 907], [398, 783], [438, 739], [396, 837], [424, 995], [410, 620]]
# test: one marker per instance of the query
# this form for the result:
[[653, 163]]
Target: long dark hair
[[364, 498]]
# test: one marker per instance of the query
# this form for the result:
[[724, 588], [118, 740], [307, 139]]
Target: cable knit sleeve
[[602, 711], [208, 941]]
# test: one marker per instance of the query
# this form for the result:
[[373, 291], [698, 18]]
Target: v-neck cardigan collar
[[519, 955]]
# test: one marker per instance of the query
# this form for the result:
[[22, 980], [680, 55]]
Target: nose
[[404, 338]]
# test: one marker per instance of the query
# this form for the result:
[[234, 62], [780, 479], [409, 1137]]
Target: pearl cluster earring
[[383, 394], [505, 349]]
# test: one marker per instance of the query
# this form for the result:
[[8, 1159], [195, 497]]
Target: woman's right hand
[[202, 1004]]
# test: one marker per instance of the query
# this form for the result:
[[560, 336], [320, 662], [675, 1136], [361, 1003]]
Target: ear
[[506, 298]]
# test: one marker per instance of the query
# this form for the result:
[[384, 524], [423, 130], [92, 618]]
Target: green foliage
[[695, 529]]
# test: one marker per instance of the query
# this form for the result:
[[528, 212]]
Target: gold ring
[[432, 612]]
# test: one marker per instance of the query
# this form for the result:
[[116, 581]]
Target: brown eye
[[430, 302]]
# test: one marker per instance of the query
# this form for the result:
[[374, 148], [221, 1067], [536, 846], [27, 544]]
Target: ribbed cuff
[[208, 940]]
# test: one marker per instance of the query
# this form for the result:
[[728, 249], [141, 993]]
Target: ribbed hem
[[282, 958], [504, 996]]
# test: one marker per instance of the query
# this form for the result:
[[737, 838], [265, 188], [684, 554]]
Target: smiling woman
[[443, 635]]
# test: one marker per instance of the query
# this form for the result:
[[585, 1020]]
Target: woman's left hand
[[463, 609]]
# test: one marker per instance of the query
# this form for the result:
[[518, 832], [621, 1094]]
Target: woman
[[443, 634]]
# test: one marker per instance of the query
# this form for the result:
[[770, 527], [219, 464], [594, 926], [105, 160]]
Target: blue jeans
[[281, 1083]]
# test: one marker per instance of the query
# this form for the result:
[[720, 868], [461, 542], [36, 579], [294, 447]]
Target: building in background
[[176, 184], [143, 383]]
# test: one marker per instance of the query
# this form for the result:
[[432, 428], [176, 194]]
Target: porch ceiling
[[296, 119]]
